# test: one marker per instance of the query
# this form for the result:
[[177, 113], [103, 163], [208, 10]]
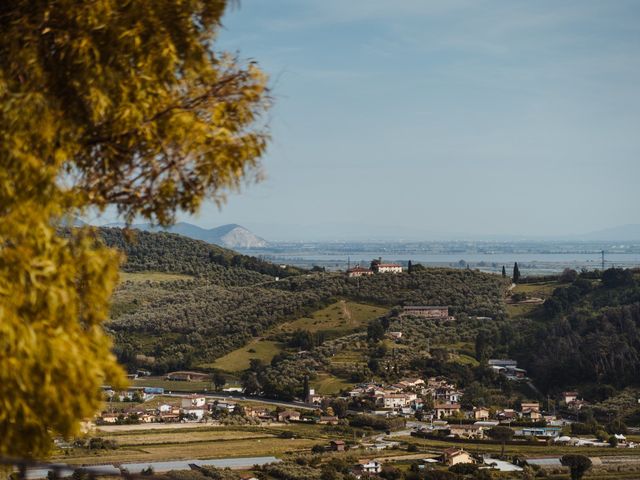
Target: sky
[[415, 119]]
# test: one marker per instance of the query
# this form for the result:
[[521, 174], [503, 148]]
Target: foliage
[[108, 103], [578, 464], [590, 335]]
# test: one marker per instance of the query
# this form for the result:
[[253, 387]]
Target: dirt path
[[345, 310]]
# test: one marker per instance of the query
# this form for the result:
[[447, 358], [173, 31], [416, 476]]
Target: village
[[383, 417]]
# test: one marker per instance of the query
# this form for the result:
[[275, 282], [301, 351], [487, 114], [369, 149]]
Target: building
[[369, 466], [337, 445], [359, 271], [288, 416], [427, 311], [328, 420], [504, 363], [467, 431], [453, 456], [443, 410], [569, 397], [387, 268], [314, 398], [481, 413], [532, 406], [396, 400]]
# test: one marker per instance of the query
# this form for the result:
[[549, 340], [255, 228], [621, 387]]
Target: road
[[249, 398]]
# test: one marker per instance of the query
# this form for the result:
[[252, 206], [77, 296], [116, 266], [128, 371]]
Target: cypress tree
[[516, 273], [504, 272]]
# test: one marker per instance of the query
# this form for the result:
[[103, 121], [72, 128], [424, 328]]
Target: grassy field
[[239, 359], [327, 384], [540, 290], [526, 450], [152, 277], [198, 443], [340, 318]]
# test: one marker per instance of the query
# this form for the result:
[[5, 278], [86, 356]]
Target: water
[[529, 262]]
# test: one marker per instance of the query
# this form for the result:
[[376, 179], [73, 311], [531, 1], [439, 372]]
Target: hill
[[232, 299], [230, 236], [586, 335]]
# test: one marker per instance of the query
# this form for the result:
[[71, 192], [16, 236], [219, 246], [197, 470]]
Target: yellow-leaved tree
[[103, 103]]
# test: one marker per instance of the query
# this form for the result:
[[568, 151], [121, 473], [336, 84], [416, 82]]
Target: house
[[228, 407], [502, 363], [196, 413], [109, 418], [443, 410], [395, 335], [328, 420], [453, 456], [447, 394], [337, 445], [256, 412], [507, 414], [467, 431], [369, 466], [193, 401], [533, 406], [358, 271], [396, 400], [387, 268], [532, 415], [288, 416], [569, 397], [411, 382], [481, 413], [314, 398]]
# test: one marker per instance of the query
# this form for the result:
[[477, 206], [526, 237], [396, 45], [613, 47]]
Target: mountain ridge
[[229, 235]]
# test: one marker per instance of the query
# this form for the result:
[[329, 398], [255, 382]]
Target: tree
[[501, 434], [504, 272], [219, 381], [516, 273], [481, 346], [578, 464], [121, 104], [409, 267], [375, 330]]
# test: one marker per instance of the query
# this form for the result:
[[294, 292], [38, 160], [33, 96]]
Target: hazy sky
[[397, 118]]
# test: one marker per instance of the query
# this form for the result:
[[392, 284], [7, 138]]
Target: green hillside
[[164, 322]]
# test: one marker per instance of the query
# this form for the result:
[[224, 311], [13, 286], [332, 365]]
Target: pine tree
[[516, 273]]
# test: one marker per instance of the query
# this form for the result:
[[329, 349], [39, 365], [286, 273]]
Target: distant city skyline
[[458, 116]]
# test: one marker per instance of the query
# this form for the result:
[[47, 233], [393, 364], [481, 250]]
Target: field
[[239, 359], [327, 384], [340, 318], [201, 442]]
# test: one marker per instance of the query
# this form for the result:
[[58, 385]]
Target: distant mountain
[[230, 236], [622, 233]]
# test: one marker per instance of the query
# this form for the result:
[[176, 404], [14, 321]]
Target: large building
[[387, 268]]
